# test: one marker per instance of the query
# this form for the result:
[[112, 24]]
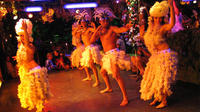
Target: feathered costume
[[91, 52], [77, 53], [161, 69], [33, 90], [113, 56], [103, 13], [117, 57]]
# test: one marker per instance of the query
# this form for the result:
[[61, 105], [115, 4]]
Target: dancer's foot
[[95, 84], [161, 105], [80, 68], [107, 90], [87, 79], [153, 102], [124, 103]]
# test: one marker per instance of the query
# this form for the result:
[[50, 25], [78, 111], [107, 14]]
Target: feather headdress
[[159, 9], [84, 15], [103, 13], [19, 30]]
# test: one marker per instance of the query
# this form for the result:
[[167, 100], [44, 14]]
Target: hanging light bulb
[[15, 17], [30, 15]]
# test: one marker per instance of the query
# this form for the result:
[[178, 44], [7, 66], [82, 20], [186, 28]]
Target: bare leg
[[137, 62], [106, 80], [88, 75], [153, 102], [94, 69], [163, 102], [120, 82]]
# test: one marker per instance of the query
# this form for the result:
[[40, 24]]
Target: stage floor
[[70, 94]]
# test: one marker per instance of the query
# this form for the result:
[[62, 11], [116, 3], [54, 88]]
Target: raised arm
[[168, 27], [95, 35], [93, 28], [26, 35], [121, 29]]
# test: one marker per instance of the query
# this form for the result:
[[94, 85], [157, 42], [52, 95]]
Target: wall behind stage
[[187, 44]]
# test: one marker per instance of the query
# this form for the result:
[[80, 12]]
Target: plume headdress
[[83, 16], [103, 13], [159, 9], [19, 30]]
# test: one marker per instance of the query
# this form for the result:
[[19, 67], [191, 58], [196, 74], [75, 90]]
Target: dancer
[[33, 90], [161, 68], [113, 60], [91, 54], [76, 41]]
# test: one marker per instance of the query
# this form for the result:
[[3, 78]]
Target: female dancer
[[33, 89], [161, 69]]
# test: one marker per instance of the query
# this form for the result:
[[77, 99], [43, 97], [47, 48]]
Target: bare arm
[[121, 29], [93, 28], [95, 35], [26, 36], [169, 26]]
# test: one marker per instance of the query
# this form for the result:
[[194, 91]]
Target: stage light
[[15, 17], [194, 1], [77, 11], [81, 5], [33, 9], [117, 1], [30, 15]]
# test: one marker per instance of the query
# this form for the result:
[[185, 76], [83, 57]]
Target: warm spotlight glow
[[81, 5], [33, 9]]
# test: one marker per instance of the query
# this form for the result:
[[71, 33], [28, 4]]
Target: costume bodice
[[24, 55], [153, 38]]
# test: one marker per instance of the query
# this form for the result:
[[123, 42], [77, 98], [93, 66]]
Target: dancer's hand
[[93, 24], [99, 27], [129, 25], [170, 2], [24, 25], [14, 58]]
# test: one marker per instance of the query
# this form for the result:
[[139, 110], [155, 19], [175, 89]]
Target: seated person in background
[[120, 44], [63, 62], [56, 58], [49, 63]]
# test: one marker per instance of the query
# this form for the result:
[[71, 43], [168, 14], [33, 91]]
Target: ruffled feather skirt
[[76, 56], [91, 52], [159, 74], [33, 90], [117, 57]]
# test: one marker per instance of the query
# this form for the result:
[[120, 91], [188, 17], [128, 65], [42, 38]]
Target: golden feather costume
[[33, 90], [161, 69]]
